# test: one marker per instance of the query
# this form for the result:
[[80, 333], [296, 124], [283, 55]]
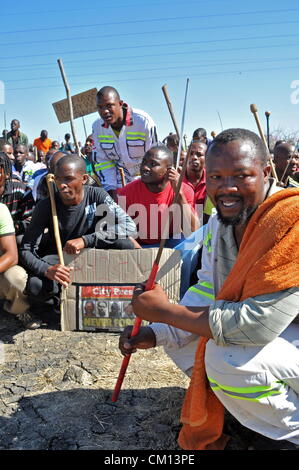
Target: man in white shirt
[[121, 138]]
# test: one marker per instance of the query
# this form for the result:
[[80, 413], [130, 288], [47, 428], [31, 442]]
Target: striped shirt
[[18, 198]]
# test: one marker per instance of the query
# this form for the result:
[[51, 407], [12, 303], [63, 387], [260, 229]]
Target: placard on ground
[[103, 282]]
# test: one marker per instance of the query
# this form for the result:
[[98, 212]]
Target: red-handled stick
[[137, 324], [153, 275]]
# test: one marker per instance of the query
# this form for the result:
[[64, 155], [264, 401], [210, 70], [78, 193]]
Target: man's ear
[[85, 179], [267, 172]]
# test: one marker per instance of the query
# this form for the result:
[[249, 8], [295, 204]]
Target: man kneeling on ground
[[87, 218]]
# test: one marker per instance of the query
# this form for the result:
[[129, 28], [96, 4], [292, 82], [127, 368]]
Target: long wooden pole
[[169, 105], [153, 275], [69, 98], [267, 114], [123, 178], [50, 183], [253, 109]]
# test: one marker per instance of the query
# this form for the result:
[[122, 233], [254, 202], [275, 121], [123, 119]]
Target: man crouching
[[87, 218]]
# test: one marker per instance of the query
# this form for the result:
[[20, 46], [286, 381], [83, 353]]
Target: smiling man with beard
[[243, 308]]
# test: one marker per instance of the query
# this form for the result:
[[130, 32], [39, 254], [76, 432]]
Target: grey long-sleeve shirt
[[97, 219]]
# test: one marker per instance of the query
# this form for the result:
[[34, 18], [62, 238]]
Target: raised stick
[[50, 183], [168, 102], [153, 275], [253, 109], [123, 178], [267, 114], [69, 98]]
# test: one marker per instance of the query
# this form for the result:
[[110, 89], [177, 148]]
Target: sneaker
[[29, 321]]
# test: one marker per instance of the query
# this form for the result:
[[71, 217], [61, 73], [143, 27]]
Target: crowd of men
[[237, 325]]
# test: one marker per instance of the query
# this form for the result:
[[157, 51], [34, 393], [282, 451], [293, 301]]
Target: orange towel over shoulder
[[268, 261]]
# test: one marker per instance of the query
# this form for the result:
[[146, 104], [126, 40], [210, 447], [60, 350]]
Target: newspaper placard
[[105, 306], [83, 103]]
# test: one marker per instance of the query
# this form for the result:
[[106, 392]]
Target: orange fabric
[[43, 145], [268, 261]]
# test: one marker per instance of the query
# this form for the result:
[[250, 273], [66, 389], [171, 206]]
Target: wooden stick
[[69, 98], [185, 142], [267, 114], [84, 127], [153, 275], [182, 126], [168, 102], [253, 109], [50, 183], [122, 175]]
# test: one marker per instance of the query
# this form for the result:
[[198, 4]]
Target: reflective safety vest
[[126, 150], [204, 292]]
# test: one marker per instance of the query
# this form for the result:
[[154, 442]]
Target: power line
[[73, 10], [203, 74], [201, 28], [273, 36], [180, 18], [191, 66], [208, 61]]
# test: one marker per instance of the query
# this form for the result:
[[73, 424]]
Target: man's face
[[41, 156], [286, 157], [89, 308], [153, 168], [20, 154], [44, 135], [15, 125], [115, 308], [102, 308], [69, 182], [199, 138], [196, 159], [55, 145], [110, 109], [236, 181], [8, 150]]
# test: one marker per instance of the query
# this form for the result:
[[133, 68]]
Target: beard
[[239, 219]]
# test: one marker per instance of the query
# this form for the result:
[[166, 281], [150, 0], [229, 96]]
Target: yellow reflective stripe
[[108, 136], [274, 389], [136, 133], [105, 163], [251, 399], [201, 292], [258, 388], [208, 242], [207, 284], [104, 166]]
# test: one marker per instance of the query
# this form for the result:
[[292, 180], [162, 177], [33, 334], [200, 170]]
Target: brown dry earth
[[55, 394]]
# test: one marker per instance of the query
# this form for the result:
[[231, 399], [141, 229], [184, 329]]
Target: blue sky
[[233, 53]]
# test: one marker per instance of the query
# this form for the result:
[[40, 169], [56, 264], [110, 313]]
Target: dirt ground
[[55, 394]]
